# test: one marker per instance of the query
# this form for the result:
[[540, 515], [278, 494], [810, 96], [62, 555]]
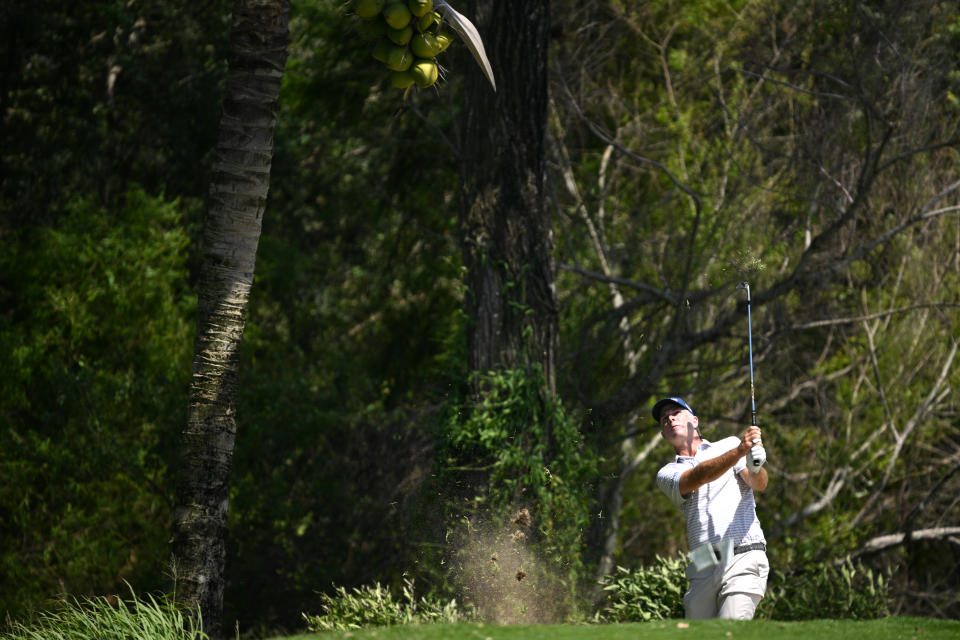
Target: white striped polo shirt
[[720, 509]]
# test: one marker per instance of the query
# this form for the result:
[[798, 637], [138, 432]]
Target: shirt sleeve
[[668, 479]]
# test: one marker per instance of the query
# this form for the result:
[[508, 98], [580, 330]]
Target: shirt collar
[[703, 446]]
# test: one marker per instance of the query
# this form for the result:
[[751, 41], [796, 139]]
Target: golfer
[[712, 483]]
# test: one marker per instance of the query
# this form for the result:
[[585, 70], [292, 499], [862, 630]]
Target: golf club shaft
[[753, 403]]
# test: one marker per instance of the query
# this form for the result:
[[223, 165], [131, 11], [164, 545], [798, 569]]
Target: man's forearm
[[708, 471], [755, 480]]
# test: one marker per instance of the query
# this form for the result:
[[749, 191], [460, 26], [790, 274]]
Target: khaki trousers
[[732, 591]]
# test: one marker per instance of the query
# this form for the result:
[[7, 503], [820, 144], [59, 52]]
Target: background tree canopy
[[809, 147]]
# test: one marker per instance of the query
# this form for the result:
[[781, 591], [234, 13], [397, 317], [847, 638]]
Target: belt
[[756, 546], [707, 556]]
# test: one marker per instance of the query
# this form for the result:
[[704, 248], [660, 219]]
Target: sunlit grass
[[101, 618], [885, 628]]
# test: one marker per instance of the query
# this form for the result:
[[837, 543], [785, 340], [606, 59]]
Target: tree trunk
[[238, 194], [506, 232]]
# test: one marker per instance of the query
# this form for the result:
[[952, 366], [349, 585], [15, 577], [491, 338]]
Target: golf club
[[753, 404]]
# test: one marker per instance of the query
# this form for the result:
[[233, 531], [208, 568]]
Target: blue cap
[[658, 407]]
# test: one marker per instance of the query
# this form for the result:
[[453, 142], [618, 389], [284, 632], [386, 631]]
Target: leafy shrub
[[826, 590], [100, 619], [512, 446], [375, 606], [96, 347], [647, 593]]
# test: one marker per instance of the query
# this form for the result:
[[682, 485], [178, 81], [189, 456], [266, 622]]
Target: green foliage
[[352, 334], [103, 618], [97, 330], [827, 590], [648, 593], [514, 447], [772, 112], [531, 450], [375, 606], [817, 591]]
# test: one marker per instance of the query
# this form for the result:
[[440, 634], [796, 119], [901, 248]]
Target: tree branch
[[605, 137], [819, 94], [833, 489], [873, 316], [936, 395], [660, 294], [881, 543]]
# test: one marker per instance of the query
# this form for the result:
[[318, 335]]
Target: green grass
[[100, 618], [886, 628]]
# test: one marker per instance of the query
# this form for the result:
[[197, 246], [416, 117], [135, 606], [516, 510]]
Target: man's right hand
[[709, 470], [751, 438]]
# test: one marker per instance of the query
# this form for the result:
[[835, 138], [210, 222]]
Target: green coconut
[[420, 8], [399, 59], [401, 36], [425, 72], [397, 15], [424, 45], [368, 8]]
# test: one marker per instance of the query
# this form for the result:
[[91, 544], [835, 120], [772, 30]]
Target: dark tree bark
[[506, 232], [238, 194]]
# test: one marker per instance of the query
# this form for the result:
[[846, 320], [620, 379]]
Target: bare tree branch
[[873, 316], [913, 152], [607, 139], [822, 94], [837, 483], [660, 294], [887, 541], [936, 395]]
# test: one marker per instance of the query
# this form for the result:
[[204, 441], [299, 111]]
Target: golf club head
[[746, 286]]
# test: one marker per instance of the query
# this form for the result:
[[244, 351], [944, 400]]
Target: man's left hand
[[756, 457]]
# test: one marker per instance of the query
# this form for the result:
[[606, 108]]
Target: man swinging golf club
[[712, 483]]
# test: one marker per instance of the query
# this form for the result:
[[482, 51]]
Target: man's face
[[676, 423]]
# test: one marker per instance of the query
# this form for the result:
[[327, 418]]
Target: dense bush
[[822, 590], [647, 593], [518, 477], [376, 606], [826, 590], [95, 346]]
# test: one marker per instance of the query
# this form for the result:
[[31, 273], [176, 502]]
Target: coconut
[[399, 59], [428, 20], [424, 45], [368, 8], [425, 72], [401, 36], [444, 38], [420, 7], [397, 15]]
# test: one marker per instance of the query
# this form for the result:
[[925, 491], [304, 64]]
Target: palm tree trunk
[[238, 194]]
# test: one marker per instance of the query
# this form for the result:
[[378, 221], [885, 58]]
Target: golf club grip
[[755, 453]]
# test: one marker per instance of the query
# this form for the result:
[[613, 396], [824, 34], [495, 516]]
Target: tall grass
[[99, 618], [376, 606]]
